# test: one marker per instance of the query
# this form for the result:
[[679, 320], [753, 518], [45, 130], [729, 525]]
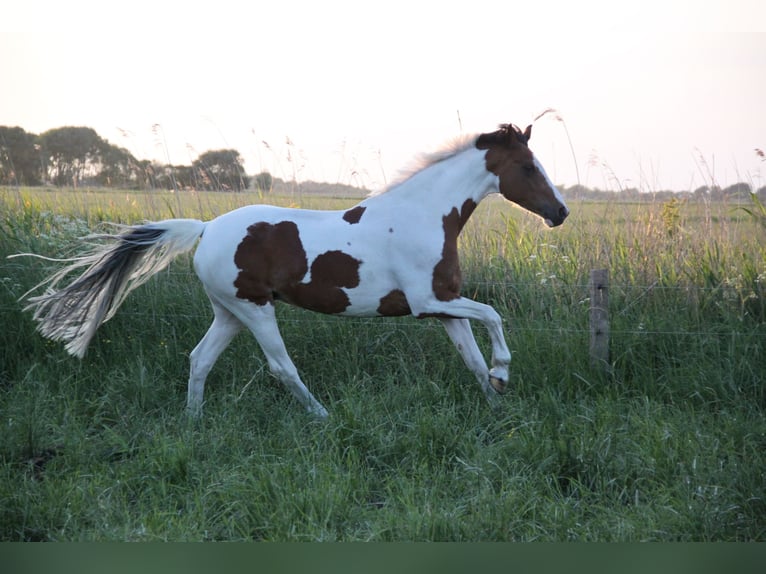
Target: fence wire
[[513, 322]]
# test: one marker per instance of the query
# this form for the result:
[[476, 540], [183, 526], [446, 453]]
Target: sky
[[651, 95]]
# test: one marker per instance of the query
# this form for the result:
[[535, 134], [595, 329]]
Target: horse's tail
[[128, 259]]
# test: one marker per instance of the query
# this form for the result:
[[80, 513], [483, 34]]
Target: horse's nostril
[[563, 212]]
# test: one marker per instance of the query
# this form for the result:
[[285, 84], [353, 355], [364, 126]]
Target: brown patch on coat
[[272, 265], [394, 304], [354, 215], [269, 258], [447, 277], [330, 272]]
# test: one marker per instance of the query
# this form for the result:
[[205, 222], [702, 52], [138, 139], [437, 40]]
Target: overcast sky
[[655, 95]]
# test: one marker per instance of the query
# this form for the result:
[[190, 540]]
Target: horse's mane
[[449, 150], [424, 160]]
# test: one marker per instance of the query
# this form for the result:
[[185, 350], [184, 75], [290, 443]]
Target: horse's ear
[[528, 132]]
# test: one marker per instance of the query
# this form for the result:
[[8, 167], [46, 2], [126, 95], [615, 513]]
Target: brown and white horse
[[395, 253]]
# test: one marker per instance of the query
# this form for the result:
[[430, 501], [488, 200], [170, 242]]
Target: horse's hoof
[[319, 412], [500, 386]]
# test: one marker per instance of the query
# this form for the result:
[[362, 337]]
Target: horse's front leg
[[460, 334], [459, 331]]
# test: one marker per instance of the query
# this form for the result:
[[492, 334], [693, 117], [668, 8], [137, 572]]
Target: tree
[[163, 176], [185, 177], [263, 182], [116, 167], [701, 193], [20, 160], [72, 154], [220, 170], [739, 191]]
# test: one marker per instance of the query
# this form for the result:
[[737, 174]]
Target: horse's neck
[[446, 184]]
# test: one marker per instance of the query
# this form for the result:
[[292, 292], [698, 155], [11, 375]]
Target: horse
[[393, 254]]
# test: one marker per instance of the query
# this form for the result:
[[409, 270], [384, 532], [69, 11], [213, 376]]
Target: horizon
[[657, 96], [616, 186]]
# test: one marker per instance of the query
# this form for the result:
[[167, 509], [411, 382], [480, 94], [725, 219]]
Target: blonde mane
[[450, 149]]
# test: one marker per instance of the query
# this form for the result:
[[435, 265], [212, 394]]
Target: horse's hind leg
[[261, 320], [203, 357]]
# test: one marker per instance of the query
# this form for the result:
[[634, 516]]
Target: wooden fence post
[[599, 318]]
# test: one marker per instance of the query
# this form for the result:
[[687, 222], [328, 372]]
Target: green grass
[[669, 446]]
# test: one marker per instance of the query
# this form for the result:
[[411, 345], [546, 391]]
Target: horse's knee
[[284, 374]]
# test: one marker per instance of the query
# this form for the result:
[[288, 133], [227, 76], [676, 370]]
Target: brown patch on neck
[[447, 278], [354, 215], [394, 304], [272, 265]]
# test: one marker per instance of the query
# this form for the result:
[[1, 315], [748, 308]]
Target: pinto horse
[[393, 254]]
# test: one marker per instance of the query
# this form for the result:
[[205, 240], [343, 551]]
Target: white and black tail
[[112, 270]]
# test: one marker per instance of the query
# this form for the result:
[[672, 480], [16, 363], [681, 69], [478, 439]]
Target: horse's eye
[[528, 168]]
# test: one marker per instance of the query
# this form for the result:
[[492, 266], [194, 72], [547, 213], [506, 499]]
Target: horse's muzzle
[[559, 217]]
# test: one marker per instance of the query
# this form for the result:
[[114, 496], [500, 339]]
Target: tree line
[[738, 192], [78, 156]]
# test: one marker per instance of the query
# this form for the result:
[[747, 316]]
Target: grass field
[[669, 445]]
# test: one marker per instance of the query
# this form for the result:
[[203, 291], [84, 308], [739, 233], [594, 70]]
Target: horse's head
[[521, 178]]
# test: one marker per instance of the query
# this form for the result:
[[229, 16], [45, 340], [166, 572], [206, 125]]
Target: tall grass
[[668, 446]]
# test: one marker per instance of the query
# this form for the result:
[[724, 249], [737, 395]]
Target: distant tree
[[263, 182], [630, 194], [575, 192], [164, 176], [737, 191], [144, 173], [701, 193], [116, 167], [716, 193], [20, 159], [72, 154], [221, 170], [185, 176]]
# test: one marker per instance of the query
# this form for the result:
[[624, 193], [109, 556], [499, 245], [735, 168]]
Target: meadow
[[666, 444]]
